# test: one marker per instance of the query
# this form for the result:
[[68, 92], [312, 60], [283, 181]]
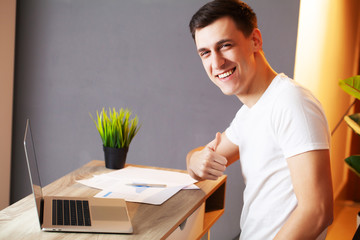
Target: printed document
[[136, 184]]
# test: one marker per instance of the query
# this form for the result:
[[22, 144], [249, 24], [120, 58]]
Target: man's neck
[[260, 82]]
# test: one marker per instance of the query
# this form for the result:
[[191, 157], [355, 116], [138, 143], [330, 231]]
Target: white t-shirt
[[287, 120]]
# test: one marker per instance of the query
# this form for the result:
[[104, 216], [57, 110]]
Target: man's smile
[[226, 74]]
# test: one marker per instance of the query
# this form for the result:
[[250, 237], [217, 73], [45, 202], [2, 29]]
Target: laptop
[[74, 214]]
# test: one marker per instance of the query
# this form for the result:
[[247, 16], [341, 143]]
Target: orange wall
[[7, 43], [327, 51]]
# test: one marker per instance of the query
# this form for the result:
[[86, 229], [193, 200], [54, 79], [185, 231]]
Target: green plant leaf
[[354, 163], [353, 121], [116, 129], [351, 86]]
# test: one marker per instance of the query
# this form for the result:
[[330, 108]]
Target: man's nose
[[218, 61]]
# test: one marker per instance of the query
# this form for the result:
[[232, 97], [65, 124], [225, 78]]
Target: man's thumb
[[213, 144]]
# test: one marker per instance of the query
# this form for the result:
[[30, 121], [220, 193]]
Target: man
[[280, 133]]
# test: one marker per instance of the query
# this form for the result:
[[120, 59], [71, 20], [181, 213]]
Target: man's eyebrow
[[222, 41], [201, 50]]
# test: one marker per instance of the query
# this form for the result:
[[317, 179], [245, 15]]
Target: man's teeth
[[224, 75]]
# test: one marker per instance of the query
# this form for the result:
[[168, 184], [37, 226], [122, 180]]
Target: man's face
[[227, 56]]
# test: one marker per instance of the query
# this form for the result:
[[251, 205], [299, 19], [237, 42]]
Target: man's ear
[[256, 39]]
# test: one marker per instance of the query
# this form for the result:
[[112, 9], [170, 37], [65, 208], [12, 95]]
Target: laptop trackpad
[[108, 213]]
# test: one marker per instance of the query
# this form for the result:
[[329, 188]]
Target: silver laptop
[[74, 214]]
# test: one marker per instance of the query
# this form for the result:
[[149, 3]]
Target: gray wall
[[75, 57]]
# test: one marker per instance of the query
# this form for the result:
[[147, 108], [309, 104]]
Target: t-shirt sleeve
[[299, 123]]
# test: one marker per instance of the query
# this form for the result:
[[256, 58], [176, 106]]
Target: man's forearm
[[305, 224]]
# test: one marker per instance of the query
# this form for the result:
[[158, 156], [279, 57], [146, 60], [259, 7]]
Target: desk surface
[[19, 220]]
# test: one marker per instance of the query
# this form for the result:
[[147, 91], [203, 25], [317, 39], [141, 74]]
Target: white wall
[[7, 42]]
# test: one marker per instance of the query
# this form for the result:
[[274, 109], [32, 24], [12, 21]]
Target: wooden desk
[[19, 221]]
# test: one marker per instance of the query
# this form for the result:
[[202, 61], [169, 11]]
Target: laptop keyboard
[[71, 212]]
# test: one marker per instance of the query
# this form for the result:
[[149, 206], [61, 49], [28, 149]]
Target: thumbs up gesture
[[207, 163], [214, 143]]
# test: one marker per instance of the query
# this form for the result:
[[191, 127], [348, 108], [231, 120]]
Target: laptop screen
[[32, 166]]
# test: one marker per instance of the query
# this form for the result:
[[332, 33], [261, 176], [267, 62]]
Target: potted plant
[[352, 86], [116, 130]]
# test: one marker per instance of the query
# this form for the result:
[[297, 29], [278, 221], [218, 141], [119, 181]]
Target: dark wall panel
[[75, 57]]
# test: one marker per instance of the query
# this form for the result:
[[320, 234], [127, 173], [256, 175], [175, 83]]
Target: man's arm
[[311, 178], [210, 162]]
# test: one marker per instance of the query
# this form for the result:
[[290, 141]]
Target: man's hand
[[207, 163]]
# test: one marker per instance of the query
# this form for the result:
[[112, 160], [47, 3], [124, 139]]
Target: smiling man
[[280, 133]]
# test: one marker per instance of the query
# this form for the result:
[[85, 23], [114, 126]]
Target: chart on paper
[[141, 185]]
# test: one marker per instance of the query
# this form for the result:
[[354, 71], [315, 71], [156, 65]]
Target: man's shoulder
[[289, 92]]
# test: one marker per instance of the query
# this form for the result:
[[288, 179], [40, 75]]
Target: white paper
[[115, 184]]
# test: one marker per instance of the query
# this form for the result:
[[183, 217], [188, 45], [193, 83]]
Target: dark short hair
[[244, 17]]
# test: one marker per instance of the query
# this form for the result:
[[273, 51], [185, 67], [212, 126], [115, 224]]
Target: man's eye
[[225, 45], [204, 53]]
